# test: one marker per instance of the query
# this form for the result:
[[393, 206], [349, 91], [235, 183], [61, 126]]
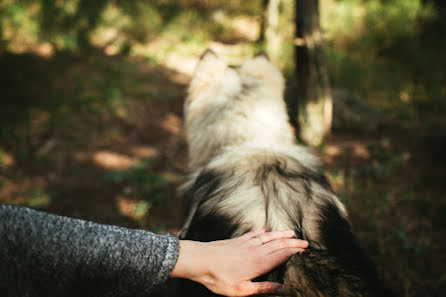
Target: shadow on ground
[[94, 137]]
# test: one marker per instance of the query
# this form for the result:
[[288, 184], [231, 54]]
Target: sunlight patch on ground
[[361, 151], [172, 123], [44, 50], [247, 27], [348, 148], [240, 27], [181, 64], [133, 208], [6, 159], [333, 150], [112, 161], [144, 151], [111, 50]]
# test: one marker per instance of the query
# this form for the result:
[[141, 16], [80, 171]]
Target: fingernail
[[306, 243]]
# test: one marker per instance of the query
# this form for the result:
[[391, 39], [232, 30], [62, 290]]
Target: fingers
[[252, 234], [261, 288], [279, 257], [274, 240], [276, 245], [273, 235]]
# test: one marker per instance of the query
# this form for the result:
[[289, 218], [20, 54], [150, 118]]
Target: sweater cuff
[[170, 258]]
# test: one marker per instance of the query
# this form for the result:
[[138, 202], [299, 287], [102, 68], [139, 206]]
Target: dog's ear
[[262, 54], [260, 63], [208, 53], [209, 74], [209, 65], [260, 69]]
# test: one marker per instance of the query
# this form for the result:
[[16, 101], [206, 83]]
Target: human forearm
[[46, 255]]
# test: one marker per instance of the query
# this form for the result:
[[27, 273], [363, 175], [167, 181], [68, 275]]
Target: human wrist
[[191, 263]]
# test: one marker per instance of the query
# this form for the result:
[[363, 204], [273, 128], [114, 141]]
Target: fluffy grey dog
[[248, 173]]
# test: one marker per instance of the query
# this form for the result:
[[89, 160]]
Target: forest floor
[[120, 159]]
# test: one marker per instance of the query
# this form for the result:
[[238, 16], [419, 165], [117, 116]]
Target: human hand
[[226, 267]]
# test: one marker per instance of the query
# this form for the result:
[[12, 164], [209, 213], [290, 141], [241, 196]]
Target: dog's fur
[[248, 173]]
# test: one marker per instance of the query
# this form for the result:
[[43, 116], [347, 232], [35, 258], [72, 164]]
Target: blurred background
[[91, 96]]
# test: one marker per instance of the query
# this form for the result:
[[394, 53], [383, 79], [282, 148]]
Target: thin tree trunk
[[314, 101], [263, 21], [268, 27]]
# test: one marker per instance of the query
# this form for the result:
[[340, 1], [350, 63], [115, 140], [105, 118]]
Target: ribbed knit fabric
[[48, 255]]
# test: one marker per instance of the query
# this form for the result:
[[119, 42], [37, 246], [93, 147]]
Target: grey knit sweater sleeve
[[48, 255]]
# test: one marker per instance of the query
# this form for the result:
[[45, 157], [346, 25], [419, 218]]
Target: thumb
[[259, 288]]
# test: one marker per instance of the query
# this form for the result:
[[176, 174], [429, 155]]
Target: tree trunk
[[263, 18], [268, 27], [314, 101]]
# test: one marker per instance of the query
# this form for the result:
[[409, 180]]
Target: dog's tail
[[336, 267]]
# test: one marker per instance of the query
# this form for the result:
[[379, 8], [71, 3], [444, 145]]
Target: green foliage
[[159, 228], [142, 189], [36, 198], [380, 50], [77, 25], [2, 157], [145, 18], [148, 185]]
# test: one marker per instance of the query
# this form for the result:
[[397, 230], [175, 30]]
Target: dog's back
[[248, 174]]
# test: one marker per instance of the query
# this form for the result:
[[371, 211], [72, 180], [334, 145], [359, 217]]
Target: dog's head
[[214, 80], [229, 106]]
